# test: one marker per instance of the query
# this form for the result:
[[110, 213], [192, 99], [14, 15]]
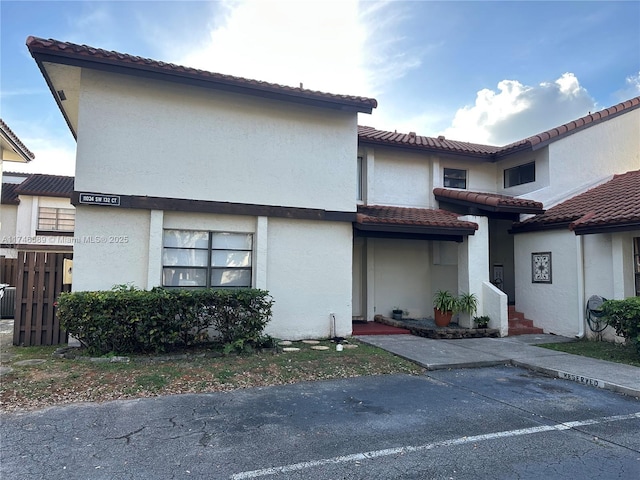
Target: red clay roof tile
[[105, 57], [614, 204], [46, 186], [488, 152], [13, 138], [423, 217], [494, 200]]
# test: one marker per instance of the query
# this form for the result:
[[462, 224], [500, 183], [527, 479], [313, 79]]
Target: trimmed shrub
[[624, 316], [129, 320]]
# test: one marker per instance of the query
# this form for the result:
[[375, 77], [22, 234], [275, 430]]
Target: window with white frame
[[206, 259], [455, 178], [519, 175], [56, 219]]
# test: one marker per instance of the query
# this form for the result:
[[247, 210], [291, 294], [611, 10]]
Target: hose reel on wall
[[593, 314]]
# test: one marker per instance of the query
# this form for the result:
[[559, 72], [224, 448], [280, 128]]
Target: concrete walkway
[[519, 351]]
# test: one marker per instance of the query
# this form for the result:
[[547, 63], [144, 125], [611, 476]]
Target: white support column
[[473, 264], [154, 268], [260, 261], [370, 279], [618, 264]]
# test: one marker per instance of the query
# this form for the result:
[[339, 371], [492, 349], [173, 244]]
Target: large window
[[206, 259], [56, 219], [455, 178], [521, 174]]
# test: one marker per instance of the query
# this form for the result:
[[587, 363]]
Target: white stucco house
[[191, 179], [36, 214], [11, 150]]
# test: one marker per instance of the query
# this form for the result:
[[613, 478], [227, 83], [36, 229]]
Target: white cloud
[[53, 157], [342, 47], [631, 88], [517, 111]]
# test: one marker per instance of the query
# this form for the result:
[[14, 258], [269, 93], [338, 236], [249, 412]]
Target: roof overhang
[[488, 204], [61, 69], [11, 148], [411, 223]]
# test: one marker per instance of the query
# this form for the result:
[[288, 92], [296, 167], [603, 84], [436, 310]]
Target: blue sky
[[485, 72]]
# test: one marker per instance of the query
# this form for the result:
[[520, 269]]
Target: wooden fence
[[39, 282], [9, 271]]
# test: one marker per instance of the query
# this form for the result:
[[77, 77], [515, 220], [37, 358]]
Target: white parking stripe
[[429, 446]]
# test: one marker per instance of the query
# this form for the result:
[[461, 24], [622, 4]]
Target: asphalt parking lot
[[498, 422]]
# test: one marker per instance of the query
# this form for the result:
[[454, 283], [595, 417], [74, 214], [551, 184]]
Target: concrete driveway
[[495, 422]]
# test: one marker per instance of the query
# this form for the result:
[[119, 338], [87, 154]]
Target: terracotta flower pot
[[442, 318]]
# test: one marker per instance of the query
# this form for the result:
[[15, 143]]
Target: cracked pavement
[[498, 422]]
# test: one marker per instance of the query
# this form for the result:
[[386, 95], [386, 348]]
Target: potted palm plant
[[467, 303], [444, 304]]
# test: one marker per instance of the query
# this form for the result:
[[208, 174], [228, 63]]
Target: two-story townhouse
[[190, 179], [407, 181], [36, 214], [193, 179]]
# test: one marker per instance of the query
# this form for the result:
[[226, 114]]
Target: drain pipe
[[580, 285]]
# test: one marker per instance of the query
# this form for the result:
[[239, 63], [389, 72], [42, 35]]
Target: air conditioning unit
[[8, 303]]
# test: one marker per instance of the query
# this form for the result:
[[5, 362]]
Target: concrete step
[[519, 325]]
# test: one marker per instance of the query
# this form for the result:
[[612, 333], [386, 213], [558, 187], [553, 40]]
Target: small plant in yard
[[624, 316], [482, 321]]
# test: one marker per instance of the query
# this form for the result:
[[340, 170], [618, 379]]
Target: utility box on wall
[[67, 271]]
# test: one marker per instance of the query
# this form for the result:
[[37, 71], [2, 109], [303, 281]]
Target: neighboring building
[[11, 150], [36, 213], [199, 179]]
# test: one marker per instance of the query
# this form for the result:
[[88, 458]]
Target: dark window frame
[[452, 178], [520, 174], [208, 269]]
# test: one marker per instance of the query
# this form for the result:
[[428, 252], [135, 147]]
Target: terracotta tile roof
[[13, 139], [46, 186], [411, 140], [66, 52], [491, 201], [614, 205], [488, 152], [420, 217], [9, 195]]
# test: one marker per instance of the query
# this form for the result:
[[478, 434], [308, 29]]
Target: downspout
[[580, 285]]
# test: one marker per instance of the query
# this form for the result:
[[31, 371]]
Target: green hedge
[[128, 320], [624, 316]]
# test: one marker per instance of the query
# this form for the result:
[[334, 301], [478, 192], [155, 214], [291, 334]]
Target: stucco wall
[[569, 165], [553, 307], [111, 248], [27, 220], [8, 217], [309, 277], [401, 179], [185, 142], [406, 179], [402, 276]]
